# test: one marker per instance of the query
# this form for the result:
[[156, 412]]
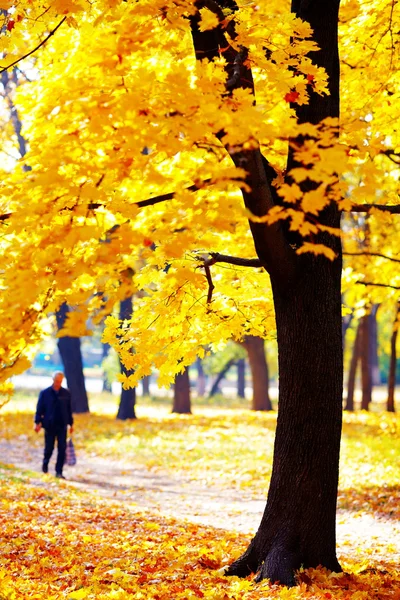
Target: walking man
[[54, 413]]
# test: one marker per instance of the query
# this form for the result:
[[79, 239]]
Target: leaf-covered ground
[[70, 540]]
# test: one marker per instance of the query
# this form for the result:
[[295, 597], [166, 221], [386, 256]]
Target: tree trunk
[[106, 383], [146, 385], [259, 372], [366, 379], [181, 403], [126, 409], [220, 376], [298, 525], [71, 356], [201, 378], [241, 378], [393, 363], [373, 346], [353, 370]]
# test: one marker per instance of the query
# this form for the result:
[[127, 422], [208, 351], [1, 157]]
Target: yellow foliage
[[119, 111]]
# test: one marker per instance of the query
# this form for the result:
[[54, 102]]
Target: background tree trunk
[[220, 376], [366, 379], [181, 403], [106, 384], [201, 378], [71, 356], [126, 408], [146, 385], [373, 346], [241, 378], [353, 370], [393, 363], [259, 372]]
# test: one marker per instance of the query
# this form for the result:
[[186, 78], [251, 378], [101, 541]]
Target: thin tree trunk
[[181, 403], [71, 356], [241, 378], [220, 376], [393, 363], [146, 385], [353, 370], [201, 378], [126, 408], [366, 379], [106, 383], [373, 346], [259, 372]]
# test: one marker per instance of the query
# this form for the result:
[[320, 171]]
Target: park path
[[169, 495]]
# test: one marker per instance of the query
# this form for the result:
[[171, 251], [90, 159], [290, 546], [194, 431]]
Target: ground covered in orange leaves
[[156, 508]]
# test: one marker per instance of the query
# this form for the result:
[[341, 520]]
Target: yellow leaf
[[79, 594], [209, 20]]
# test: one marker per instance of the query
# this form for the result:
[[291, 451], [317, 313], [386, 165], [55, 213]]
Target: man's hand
[[71, 430], [37, 427]]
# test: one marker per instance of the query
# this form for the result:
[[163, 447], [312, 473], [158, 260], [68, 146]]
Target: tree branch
[[231, 260], [384, 285], [275, 254], [210, 283], [372, 254], [393, 209], [35, 49]]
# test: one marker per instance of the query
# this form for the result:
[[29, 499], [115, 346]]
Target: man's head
[[58, 377]]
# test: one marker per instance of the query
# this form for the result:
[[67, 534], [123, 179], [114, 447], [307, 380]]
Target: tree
[[351, 382], [201, 378], [393, 362], [259, 372], [71, 356], [241, 378], [181, 404], [126, 408], [159, 151]]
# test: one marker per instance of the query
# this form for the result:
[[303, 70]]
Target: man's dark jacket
[[54, 412]]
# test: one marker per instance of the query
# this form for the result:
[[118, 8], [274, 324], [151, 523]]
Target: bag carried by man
[[70, 456]]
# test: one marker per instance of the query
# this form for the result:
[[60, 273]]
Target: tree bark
[[181, 403], [390, 407], [71, 356], [366, 379], [259, 372], [298, 525], [353, 370], [241, 378], [127, 402]]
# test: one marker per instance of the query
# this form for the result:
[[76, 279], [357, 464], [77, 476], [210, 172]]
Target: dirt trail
[[170, 495]]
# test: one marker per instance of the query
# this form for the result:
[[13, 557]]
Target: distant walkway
[[167, 495]]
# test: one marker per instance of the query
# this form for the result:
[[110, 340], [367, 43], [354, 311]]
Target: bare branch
[[394, 156], [2, 69], [372, 254], [232, 260], [384, 285], [210, 283], [393, 209]]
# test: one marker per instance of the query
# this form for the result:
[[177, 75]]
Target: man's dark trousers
[[50, 436]]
